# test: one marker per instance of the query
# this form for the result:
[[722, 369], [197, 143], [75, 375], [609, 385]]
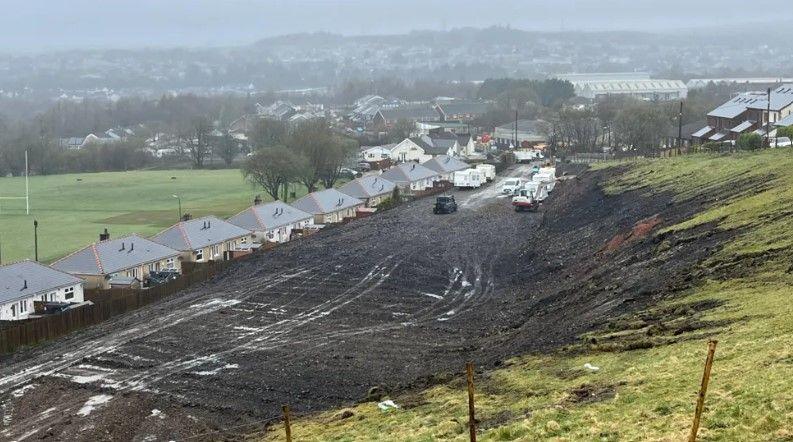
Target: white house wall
[[58, 295]]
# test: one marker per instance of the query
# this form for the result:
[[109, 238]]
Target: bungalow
[[411, 177], [329, 206], [527, 133], [204, 239], [120, 262], [376, 154], [370, 189], [445, 166], [272, 222], [24, 282]]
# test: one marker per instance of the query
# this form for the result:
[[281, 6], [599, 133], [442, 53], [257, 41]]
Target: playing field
[[73, 209]]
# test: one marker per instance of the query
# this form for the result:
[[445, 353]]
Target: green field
[[73, 209], [645, 394]]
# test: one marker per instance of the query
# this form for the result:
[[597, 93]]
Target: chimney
[[104, 236], [25, 286], [131, 246], [208, 224], [122, 247], [204, 226], [257, 200]]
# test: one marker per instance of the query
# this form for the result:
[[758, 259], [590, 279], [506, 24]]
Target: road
[[378, 302]]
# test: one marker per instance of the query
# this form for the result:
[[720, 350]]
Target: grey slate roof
[[368, 187], [445, 164], [199, 233], [268, 216], [326, 201], [106, 257], [40, 279], [406, 173]]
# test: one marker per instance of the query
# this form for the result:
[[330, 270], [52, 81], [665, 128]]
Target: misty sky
[[40, 25]]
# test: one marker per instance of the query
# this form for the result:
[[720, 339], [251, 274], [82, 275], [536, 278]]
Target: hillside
[[728, 219]]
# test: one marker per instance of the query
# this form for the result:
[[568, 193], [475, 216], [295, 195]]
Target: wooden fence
[[106, 304]]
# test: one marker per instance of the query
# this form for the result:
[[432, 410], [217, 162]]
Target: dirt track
[[385, 301]]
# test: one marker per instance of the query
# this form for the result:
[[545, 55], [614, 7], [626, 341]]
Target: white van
[[509, 185]]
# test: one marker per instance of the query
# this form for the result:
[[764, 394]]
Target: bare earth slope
[[388, 301]]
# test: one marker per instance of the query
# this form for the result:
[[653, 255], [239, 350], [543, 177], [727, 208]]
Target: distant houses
[[527, 133], [329, 206], [204, 239], [412, 177], [25, 282], [122, 262], [747, 112], [273, 222], [371, 189]]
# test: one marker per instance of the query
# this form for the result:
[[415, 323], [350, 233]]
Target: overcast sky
[[39, 25]]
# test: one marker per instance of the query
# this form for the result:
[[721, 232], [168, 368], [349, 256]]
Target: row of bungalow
[[134, 261]]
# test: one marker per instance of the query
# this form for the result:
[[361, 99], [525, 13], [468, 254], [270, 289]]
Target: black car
[[445, 204]]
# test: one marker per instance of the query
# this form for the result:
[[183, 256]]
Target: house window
[[154, 267], [244, 240], [69, 293], [199, 255], [132, 273], [170, 263], [13, 310], [215, 250], [23, 306]]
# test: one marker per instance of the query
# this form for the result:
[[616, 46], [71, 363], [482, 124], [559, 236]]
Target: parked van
[[509, 185]]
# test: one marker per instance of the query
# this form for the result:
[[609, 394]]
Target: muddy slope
[[385, 302]]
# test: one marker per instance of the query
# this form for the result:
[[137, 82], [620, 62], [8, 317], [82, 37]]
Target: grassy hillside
[[650, 362], [73, 209]]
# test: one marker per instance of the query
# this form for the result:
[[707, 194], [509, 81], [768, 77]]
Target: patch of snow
[[450, 313], [250, 329], [432, 295], [93, 402], [19, 392], [157, 413], [387, 404], [217, 302], [88, 379]]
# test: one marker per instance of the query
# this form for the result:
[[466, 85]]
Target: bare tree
[[199, 141], [273, 168]]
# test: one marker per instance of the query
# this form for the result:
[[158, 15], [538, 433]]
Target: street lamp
[[180, 205], [36, 239]]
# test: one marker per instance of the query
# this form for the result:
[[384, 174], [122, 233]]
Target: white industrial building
[[635, 84]]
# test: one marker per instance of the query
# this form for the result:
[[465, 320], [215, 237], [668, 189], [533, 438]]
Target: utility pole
[[516, 125], [680, 127], [768, 121], [27, 185], [179, 199], [36, 240]]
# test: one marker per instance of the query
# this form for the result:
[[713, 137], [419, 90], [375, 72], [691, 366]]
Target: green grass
[[72, 209], [646, 394]]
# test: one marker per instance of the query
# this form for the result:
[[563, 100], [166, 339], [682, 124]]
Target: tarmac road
[[378, 302]]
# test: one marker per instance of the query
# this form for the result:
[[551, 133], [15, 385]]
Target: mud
[[397, 301]]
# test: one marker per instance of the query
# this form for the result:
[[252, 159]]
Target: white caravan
[[487, 170], [468, 179]]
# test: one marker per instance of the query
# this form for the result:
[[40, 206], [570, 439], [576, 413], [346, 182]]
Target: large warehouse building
[[635, 84]]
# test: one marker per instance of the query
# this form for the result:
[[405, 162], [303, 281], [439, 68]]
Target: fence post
[[287, 423], [469, 374], [702, 390]]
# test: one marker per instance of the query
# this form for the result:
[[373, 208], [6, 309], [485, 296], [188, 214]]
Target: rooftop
[[445, 164], [28, 278], [326, 201], [114, 255], [199, 233], [268, 216], [407, 173], [367, 187]]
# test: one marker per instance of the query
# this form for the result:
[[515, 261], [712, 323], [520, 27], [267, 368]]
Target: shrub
[[750, 141]]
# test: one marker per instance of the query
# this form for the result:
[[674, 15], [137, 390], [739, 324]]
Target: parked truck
[[487, 170], [527, 156], [467, 179]]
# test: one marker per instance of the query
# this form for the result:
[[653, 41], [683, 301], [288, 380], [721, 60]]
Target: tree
[[323, 150], [268, 133], [273, 168], [402, 129], [786, 131], [580, 129], [640, 126], [227, 148], [749, 141], [199, 141]]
